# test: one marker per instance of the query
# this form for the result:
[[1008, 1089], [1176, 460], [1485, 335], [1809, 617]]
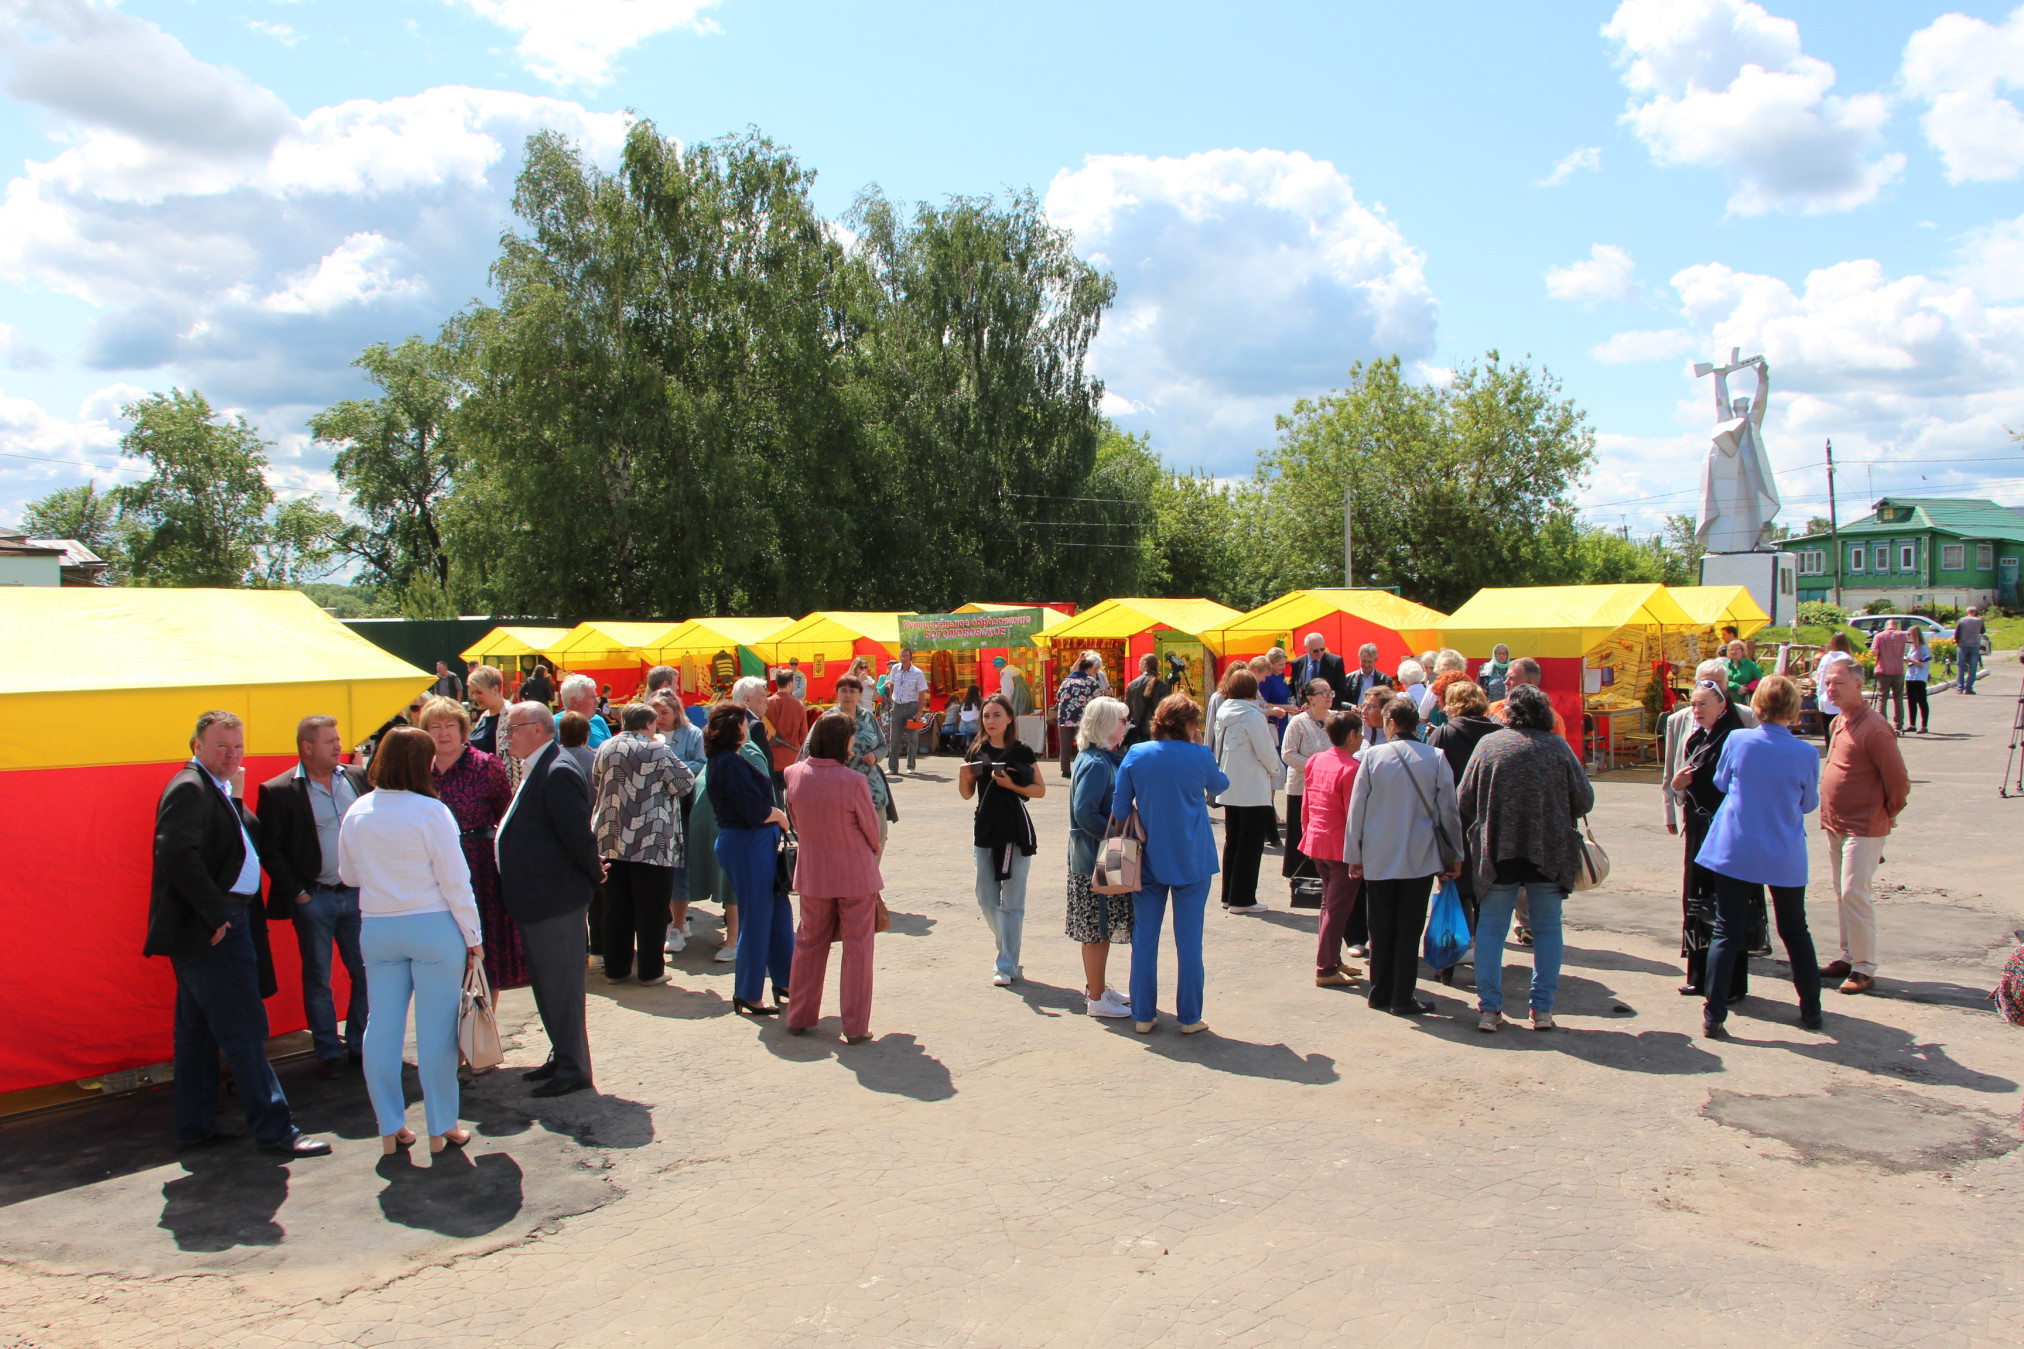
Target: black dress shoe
[[330, 1069], [1714, 1030], [1689, 991], [541, 1074], [1812, 1020], [561, 1088], [298, 1145], [753, 1008], [1416, 1008], [780, 995]]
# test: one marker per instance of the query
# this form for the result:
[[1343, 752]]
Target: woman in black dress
[[1694, 785]]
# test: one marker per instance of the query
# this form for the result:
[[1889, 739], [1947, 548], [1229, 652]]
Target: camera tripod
[[2013, 770]]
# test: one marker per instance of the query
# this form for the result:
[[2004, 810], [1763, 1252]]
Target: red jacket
[[1324, 804], [830, 807]]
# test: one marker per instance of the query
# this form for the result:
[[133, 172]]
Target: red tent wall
[[81, 999], [623, 679], [1345, 634]]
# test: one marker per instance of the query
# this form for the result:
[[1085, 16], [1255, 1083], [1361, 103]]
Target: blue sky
[[238, 196]]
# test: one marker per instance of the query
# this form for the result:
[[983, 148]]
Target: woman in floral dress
[[473, 784]]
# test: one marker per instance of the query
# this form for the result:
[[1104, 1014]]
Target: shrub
[[1879, 607], [1822, 614]]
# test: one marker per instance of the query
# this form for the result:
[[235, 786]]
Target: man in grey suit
[[548, 870]]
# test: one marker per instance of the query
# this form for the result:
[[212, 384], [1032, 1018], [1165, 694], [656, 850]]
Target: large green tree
[[200, 517], [83, 513]]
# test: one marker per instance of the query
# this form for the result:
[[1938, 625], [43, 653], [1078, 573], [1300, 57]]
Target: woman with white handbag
[[1096, 919], [419, 934]]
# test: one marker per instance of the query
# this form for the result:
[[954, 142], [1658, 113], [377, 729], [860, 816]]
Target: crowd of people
[[502, 851]]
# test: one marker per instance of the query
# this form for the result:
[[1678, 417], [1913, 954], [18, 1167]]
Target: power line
[[77, 463]]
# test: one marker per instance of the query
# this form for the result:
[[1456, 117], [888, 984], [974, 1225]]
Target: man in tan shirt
[[1863, 787]]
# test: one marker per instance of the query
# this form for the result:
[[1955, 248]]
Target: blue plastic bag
[[1447, 929]]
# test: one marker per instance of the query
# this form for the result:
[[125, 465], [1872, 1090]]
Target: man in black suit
[[1317, 664], [1365, 677], [300, 811], [204, 915], [548, 870]]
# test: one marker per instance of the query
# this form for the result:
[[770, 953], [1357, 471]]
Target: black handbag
[[783, 862]]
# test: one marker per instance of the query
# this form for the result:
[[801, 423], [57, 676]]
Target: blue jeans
[[765, 917], [1003, 904], [1493, 923], [418, 955], [331, 915], [1971, 663], [218, 1010], [1149, 912]]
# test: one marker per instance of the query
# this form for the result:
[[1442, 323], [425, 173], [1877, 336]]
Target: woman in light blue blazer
[[1168, 780]]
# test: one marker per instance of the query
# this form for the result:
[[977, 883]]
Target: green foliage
[[1678, 538], [201, 518], [1819, 524], [1821, 614], [349, 601], [397, 458], [83, 513], [1453, 488], [1880, 606]]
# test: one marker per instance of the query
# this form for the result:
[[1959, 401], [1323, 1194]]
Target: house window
[[1953, 556], [1882, 558], [1908, 557], [1813, 562], [1856, 556], [1985, 556]]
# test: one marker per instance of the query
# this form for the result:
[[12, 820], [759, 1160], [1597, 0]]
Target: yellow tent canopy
[[1115, 619], [702, 638], [832, 635], [510, 644], [1286, 616], [604, 645], [119, 676], [1557, 621], [1717, 606]]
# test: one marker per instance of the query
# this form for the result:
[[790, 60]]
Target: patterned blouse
[[638, 784]]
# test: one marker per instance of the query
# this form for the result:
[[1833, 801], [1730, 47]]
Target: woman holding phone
[[999, 773]]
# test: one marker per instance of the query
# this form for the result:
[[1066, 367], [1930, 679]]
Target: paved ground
[[998, 1169]]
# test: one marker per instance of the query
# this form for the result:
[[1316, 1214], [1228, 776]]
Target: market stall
[[608, 651], [1345, 618], [94, 719], [1599, 649], [827, 641], [707, 652], [1134, 628], [960, 649], [512, 651]]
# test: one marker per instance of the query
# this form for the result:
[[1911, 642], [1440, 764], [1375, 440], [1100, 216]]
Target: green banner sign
[[969, 632]]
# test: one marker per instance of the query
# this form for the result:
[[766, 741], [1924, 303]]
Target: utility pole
[[1348, 541], [1833, 524]]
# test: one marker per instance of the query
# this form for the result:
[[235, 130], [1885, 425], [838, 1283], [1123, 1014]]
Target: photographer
[[1002, 773]]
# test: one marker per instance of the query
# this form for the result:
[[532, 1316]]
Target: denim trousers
[[1003, 903], [219, 1011], [1149, 912], [1970, 663], [1735, 916], [1493, 924], [330, 916], [765, 917], [419, 956]]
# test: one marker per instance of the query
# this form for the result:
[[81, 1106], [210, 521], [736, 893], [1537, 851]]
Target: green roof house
[[1913, 550]]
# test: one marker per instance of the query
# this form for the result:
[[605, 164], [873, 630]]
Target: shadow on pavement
[[1589, 958], [899, 1066], [1276, 1062], [1049, 999], [1851, 1042], [910, 925], [668, 1000], [454, 1194], [229, 1197]]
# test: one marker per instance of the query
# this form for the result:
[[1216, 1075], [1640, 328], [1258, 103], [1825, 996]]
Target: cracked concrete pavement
[[998, 1169]]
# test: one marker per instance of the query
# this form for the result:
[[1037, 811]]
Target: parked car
[[1936, 631]]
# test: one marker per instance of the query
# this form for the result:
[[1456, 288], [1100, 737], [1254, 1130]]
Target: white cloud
[[1991, 260], [1588, 159], [1608, 275], [280, 32], [41, 452], [358, 271], [1724, 84], [17, 352], [1246, 278], [1649, 345], [1960, 67], [575, 41]]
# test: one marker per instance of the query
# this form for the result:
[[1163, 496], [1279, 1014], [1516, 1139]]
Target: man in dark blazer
[[548, 870], [1365, 677], [1318, 663], [204, 915], [300, 811]]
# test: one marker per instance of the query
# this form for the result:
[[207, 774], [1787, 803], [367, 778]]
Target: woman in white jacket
[[1248, 757]]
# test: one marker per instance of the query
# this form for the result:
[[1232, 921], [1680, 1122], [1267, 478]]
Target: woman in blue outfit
[[1167, 780], [1758, 839], [748, 839]]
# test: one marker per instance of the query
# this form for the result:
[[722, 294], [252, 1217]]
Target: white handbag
[[1594, 868], [477, 1024]]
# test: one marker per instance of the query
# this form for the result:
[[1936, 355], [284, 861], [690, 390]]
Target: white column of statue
[[1739, 499]]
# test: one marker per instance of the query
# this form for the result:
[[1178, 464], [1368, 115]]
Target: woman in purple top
[[474, 785], [1758, 838]]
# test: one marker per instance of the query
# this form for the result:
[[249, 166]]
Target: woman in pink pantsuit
[[837, 876]]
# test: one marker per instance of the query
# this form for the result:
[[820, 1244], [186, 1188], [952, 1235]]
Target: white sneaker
[[1107, 1005], [1249, 908], [1488, 1022], [678, 940], [726, 952], [1360, 952], [1002, 980]]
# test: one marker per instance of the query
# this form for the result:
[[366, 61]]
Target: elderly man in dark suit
[[204, 915], [548, 870], [300, 811], [1319, 663]]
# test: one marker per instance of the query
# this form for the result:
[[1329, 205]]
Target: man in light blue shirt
[[579, 694]]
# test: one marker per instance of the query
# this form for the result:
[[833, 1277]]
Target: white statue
[[1739, 500]]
